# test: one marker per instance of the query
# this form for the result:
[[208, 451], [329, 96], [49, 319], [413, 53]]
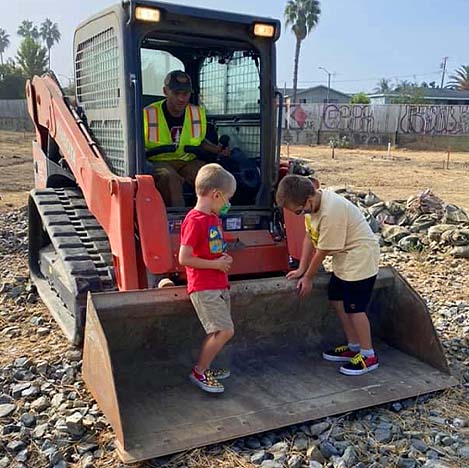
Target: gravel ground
[[48, 419]]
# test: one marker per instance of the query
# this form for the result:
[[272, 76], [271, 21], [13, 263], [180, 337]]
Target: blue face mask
[[224, 209]]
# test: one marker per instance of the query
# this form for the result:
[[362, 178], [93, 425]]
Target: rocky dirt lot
[[48, 419]]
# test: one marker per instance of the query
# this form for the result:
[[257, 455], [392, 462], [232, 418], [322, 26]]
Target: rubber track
[[78, 239]]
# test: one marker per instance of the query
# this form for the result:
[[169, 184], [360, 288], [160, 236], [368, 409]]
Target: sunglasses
[[302, 211]]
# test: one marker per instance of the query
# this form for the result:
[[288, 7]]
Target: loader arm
[[110, 198]]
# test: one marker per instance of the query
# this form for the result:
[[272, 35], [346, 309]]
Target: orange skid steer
[[101, 239]]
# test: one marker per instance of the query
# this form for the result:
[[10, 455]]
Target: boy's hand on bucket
[[224, 263], [304, 286], [295, 274]]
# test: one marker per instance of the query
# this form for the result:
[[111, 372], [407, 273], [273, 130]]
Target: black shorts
[[355, 294]]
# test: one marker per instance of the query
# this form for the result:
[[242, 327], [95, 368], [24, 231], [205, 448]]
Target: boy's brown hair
[[294, 190], [213, 177]]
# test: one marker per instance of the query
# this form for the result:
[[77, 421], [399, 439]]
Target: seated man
[[174, 121]]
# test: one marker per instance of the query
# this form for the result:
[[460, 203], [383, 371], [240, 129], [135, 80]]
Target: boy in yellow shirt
[[336, 227]]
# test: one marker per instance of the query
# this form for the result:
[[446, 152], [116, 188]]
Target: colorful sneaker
[[339, 354], [206, 382], [359, 365], [218, 374]]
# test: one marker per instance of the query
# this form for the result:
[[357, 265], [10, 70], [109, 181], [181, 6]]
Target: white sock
[[367, 352], [355, 347]]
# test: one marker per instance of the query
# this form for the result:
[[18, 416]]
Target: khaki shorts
[[213, 308]]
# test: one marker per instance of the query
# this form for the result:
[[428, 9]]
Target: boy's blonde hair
[[213, 177], [294, 190]]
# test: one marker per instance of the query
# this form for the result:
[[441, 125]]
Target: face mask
[[224, 209]]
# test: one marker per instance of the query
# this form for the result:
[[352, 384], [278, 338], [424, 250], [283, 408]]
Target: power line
[[374, 79]]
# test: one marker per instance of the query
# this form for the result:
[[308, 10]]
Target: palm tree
[[4, 43], [27, 29], [403, 85], [383, 86], [302, 16], [50, 34], [460, 79]]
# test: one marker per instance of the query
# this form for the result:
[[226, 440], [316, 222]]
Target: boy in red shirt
[[202, 252]]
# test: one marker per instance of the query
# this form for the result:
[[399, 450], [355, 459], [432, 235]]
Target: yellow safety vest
[[157, 132]]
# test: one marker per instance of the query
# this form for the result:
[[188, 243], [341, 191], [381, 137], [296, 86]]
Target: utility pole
[[443, 72], [328, 82]]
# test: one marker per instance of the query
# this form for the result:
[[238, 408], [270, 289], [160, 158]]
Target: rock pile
[[421, 222], [48, 419]]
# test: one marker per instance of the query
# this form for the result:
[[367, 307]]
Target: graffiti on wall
[[434, 120], [378, 119], [302, 117], [354, 118]]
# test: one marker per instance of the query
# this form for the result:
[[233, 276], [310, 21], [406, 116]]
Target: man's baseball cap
[[177, 80]]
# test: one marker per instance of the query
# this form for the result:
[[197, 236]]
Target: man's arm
[[215, 149]]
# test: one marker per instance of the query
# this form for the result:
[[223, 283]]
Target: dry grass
[[406, 173], [16, 168]]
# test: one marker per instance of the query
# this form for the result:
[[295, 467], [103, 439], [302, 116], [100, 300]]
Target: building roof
[[431, 93], [289, 91]]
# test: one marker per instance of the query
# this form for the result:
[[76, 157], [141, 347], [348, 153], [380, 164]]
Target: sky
[[358, 41]]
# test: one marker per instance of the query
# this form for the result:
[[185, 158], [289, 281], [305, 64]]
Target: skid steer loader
[[101, 238]]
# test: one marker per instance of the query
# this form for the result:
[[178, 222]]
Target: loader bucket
[[140, 346]]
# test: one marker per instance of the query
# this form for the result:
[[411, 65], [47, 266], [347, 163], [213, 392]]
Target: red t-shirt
[[203, 232]]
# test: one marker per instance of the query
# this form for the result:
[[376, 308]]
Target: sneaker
[[339, 354], [359, 365], [206, 382], [218, 374]]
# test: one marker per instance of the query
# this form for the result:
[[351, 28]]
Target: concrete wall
[[14, 115], [377, 125]]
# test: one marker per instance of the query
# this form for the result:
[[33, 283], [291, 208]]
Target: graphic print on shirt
[[312, 233], [215, 240], [176, 134]]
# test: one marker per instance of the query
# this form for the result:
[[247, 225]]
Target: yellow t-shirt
[[339, 226]]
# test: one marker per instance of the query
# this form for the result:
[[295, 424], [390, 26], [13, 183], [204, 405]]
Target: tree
[[460, 79], [360, 98], [302, 16], [12, 82], [50, 34], [383, 86], [32, 57], [27, 29], [4, 43], [69, 90], [409, 95], [404, 85]]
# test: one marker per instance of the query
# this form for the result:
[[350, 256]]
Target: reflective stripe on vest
[[196, 121], [152, 122]]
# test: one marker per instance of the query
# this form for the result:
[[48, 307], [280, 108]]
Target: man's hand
[[224, 263], [295, 274], [223, 151], [304, 286]]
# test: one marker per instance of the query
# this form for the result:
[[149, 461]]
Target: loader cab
[[226, 83], [232, 73], [123, 56]]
